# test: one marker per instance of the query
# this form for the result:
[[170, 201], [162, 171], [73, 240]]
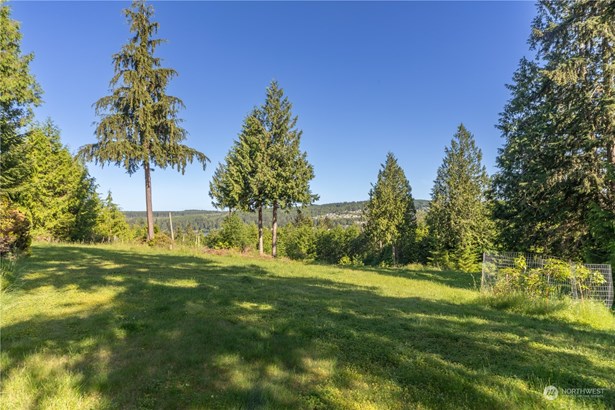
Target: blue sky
[[364, 78]]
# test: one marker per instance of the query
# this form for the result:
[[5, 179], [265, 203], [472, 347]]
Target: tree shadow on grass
[[451, 279], [238, 336]]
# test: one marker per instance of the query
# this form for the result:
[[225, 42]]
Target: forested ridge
[[339, 213]]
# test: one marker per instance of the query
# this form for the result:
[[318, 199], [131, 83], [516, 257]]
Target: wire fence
[[546, 276]]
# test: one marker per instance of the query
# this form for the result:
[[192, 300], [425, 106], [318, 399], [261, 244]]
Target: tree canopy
[[139, 126], [458, 218], [390, 215], [555, 188]]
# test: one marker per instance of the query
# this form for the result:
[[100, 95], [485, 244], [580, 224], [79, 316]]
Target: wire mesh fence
[[546, 276]]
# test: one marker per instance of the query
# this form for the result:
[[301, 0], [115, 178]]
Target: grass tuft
[[588, 312]]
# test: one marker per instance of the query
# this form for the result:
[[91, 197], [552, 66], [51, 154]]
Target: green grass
[[113, 327]]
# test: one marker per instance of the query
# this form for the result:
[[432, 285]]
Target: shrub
[[161, 240], [8, 272], [548, 281], [233, 234], [15, 235], [299, 241], [335, 243], [345, 261]]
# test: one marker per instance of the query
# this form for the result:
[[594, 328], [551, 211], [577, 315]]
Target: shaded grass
[[113, 327]]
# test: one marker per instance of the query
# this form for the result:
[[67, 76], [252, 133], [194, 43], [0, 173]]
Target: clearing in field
[[112, 327]]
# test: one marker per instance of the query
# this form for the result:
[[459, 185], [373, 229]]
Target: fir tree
[[556, 186], [59, 197], [458, 218], [289, 171], [139, 125], [265, 167], [390, 215], [111, 223], [19, 93], [242, 180]]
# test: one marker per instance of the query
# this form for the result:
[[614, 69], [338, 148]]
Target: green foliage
[[335, 244], [139, 125], [19, 93], [233, 234], [299, 241], [111, 224], [342, 213], [556, 184], [390, 216], [161, 240], [15, 238], [291, 172], [58, 197], [241, 181], [458, 219], [265, 166], [550, 281]]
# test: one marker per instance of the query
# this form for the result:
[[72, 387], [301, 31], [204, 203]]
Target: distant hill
[[339, 213]]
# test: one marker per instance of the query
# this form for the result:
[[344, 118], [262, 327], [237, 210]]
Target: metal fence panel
[[496, 263]]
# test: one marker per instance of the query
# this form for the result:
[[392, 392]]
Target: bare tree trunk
[[274, 230], [260, 230], [611, 187], [148, 201], [171, 225], [394, 252]]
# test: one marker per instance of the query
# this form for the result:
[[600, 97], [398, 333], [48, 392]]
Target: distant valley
[[339, 213]]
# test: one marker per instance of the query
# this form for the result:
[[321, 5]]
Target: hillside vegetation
[[339, 213], [131, 327]]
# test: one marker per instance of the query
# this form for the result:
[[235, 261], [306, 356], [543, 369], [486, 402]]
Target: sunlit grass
[[134, 327]]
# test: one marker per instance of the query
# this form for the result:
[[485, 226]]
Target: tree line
[[553, 192]]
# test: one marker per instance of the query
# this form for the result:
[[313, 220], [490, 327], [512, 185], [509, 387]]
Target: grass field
[[113, 327]]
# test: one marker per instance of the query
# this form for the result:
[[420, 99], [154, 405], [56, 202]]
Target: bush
[[161, 240], [333, 244], [15, 235], [547, 281], [299, 241], [8, 272], [233, 234]]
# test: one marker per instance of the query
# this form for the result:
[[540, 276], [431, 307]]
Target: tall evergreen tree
[[139, 125], [559, 129], [19, 93], [243, 179], [390, 215], [289, 170], [265, 167], [59, 197], [458, 218]]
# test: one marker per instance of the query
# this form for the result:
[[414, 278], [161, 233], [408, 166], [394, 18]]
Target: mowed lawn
[[130, 327]]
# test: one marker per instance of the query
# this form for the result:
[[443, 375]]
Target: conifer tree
[[139, 125], [242, 180], [111, 222], [559, 130], [289, 171], [265, 167], [59, 197], [390, 215], [19, 92], [458, 218]]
